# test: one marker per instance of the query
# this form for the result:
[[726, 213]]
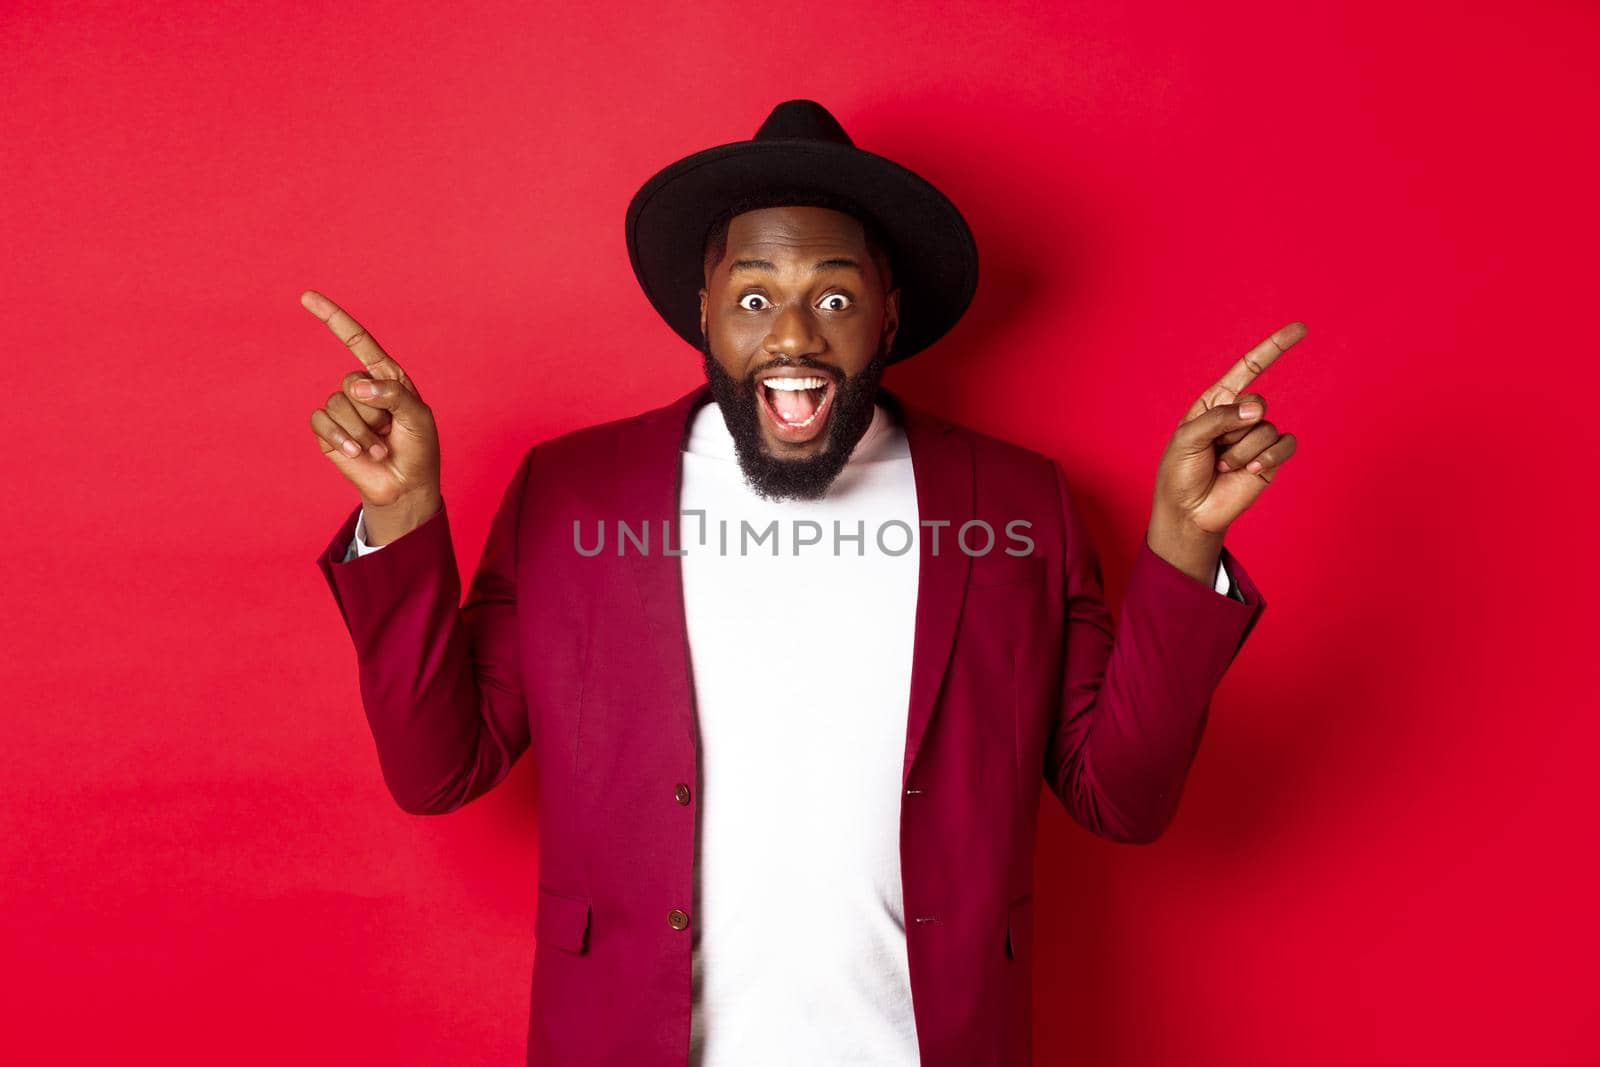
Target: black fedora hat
[[801, 146]]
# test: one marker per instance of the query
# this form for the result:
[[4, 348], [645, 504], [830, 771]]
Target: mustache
[[748, 379]]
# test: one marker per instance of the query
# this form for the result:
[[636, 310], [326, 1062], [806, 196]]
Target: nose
[[794, 332]]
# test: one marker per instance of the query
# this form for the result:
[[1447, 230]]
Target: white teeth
[[793, 384]]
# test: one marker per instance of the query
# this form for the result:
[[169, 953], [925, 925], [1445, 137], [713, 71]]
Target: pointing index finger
[[1241, 374], [355, 337]]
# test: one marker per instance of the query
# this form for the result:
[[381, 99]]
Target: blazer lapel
[[648, 491], [941, 462]]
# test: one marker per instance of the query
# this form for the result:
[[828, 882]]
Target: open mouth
[[796, 406]]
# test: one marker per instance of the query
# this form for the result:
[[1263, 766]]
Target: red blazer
[[1018, 678]]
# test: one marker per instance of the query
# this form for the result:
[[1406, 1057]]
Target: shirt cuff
[[358, 543]]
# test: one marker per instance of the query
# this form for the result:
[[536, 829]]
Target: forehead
[[798, 228]]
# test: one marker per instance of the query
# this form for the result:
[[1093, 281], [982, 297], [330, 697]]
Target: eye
[[748, 296], [836, 296]]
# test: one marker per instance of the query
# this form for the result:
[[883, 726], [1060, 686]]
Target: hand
[[386, 444], [1218, 461]]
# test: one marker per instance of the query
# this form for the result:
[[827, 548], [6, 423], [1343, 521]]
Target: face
[[797, 320]]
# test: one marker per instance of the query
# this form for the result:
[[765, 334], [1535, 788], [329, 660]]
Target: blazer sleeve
[[440, 678], [1136, 691]]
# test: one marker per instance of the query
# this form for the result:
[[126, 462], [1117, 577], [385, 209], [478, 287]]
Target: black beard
[[810, 477]]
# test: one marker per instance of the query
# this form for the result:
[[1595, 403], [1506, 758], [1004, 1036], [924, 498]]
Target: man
[[794, 656]]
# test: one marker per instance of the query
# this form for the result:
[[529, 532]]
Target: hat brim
[[935, 256]]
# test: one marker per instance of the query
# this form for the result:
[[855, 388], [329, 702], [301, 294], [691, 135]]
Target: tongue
[[793, 405]]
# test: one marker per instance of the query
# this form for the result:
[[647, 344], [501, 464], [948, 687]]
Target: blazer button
[[677, 919], [681, 791]]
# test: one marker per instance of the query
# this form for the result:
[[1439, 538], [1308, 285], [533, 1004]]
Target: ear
[[891, 317], [702, 311]]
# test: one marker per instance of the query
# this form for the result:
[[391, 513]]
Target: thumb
[[1201, 433], [404, 406]]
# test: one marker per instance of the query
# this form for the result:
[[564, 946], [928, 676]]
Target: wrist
[[1187, 547], [386, 522]]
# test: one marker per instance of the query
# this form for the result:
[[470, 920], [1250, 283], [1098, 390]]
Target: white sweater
[[802, 680]]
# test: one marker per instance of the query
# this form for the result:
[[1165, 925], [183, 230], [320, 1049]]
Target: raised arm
[[439, 678], [1137, 689], [1136, 693]]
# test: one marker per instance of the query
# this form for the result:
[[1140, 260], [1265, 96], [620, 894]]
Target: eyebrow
[[816, 268]]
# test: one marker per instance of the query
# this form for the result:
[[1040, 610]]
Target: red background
[[1385, 853]]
